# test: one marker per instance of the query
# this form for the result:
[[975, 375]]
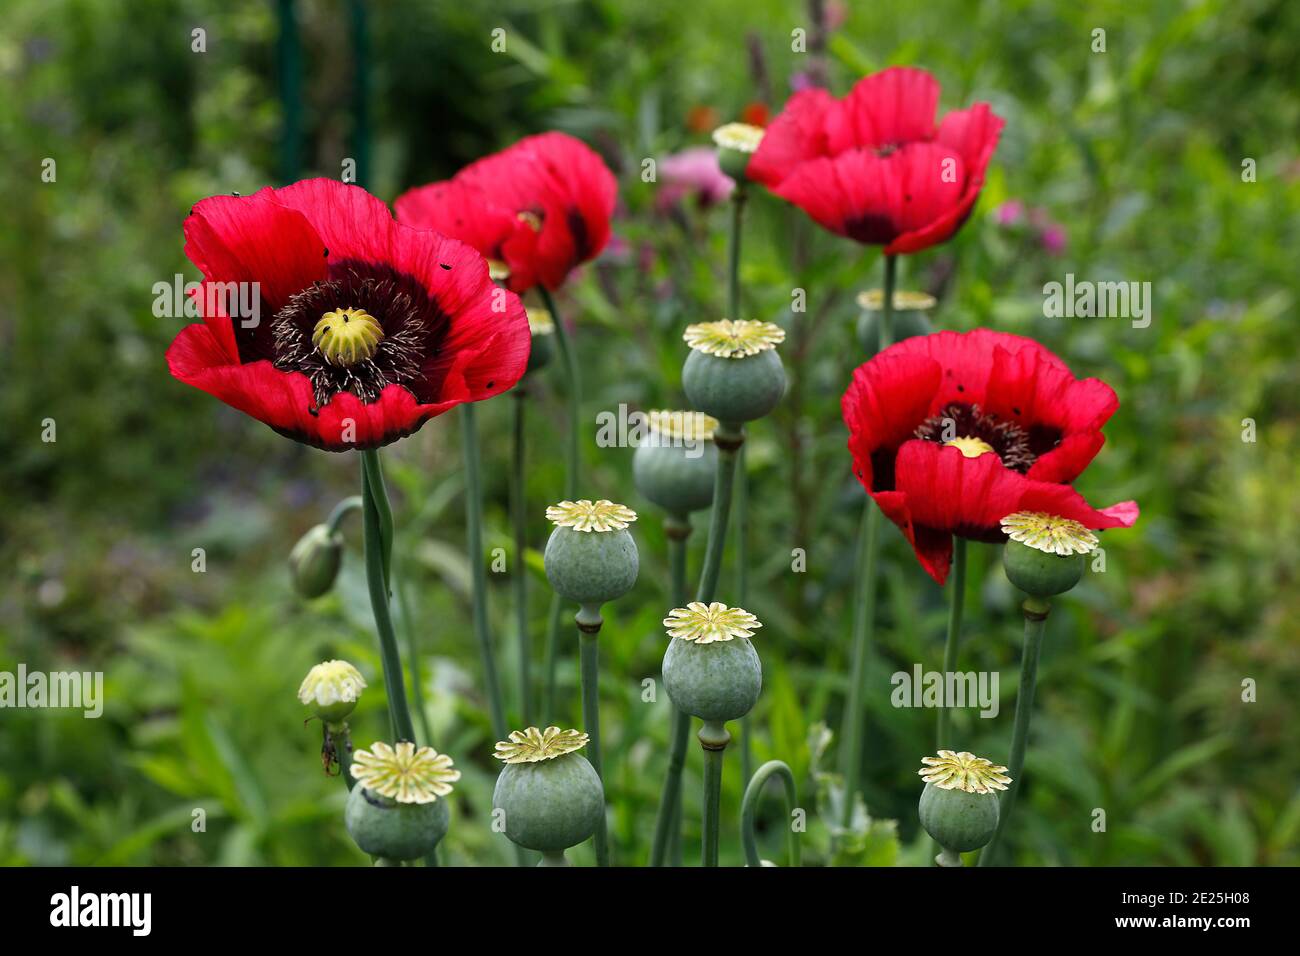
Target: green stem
[[864, 617], [341, 511], [553, 858], [378, 546], [714, 739], [956, 601], [413, 654], [668, 821], [677, 529], [569, 366], [733, 264], [589, 623], [729, 438], [519, 516], [749, 810], [1035, 610], [474, 521], [551, 703], [340, 739]]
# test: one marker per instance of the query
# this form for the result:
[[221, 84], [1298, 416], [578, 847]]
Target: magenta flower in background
[[693, 172], [1010, 213], [1053, 238]]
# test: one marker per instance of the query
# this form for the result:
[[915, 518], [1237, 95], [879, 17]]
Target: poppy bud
[[397, 810], [314, 561], [711, 669], [549, 795], [736, 142], [959, 805], [1044, 555], [733, 371], [591, 558], [331, 689], [675, 465]]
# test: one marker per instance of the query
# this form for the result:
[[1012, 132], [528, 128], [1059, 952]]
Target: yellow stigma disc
[[347, 336], [970, 447]]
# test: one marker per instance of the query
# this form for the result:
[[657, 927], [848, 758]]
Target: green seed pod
[[903, 325], [958, 821], [1039, 573], [711, 670], [734, 390], [591, 558], [542, 327], [1046, 553], [733, 372], [959, 805], [676, 463], [397, 831], [716, 682], [736, 145], [552, 804], [314, 561]]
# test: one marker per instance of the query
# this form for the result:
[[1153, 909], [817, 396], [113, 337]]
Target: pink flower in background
[[1053, 238], [1049, 234], [1010, 213], [693, 172]]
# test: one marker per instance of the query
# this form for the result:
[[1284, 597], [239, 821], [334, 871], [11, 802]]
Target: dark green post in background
[[290, 67], [361, 91]]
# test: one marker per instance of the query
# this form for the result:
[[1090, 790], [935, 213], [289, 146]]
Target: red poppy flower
[[542, 207], [952, 432], [873, 166], [365, 328]]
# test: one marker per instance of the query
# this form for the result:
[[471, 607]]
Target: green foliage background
[[1137, 151]]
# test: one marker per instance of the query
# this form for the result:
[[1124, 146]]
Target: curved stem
[[378, 546], [342, 510], [1035, 610], [519, 517], [569, 365], [864, 616], [749, 810], [956, 601], [589, 623], [474, 522], [714, 739]]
